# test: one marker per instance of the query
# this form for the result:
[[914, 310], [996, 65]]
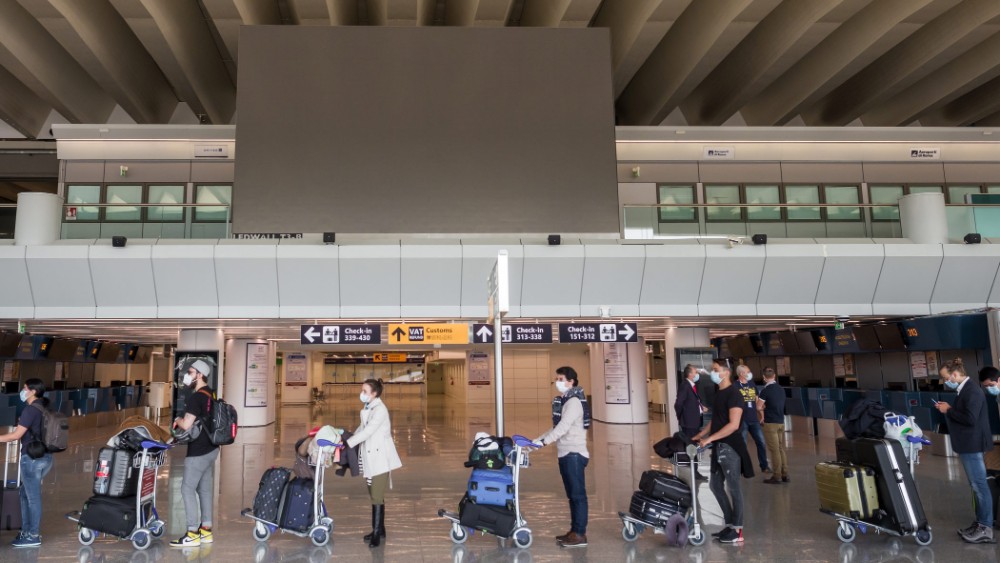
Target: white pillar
[[249, 379], [605, 389], [39, 217], [923, 219], [675, 338]]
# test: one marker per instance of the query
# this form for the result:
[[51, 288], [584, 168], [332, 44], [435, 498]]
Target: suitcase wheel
[[924, 537], [522, 538]]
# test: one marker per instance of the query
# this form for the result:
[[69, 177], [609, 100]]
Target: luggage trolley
[[521, 534], [846, 524], [632, 527], [322, 524], [148, 524]]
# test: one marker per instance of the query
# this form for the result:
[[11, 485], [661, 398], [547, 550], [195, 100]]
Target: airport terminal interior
[[460, 199]]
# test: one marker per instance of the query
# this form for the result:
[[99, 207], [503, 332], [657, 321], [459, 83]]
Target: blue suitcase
[[297, 509], [492, 487]]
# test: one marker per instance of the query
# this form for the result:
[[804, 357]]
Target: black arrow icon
[[398, 333]]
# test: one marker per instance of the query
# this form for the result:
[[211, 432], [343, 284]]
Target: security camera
[[735, 241]]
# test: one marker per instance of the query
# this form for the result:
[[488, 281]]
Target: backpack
[[488, 453], [55, 429], [220, 423], [864, 419]]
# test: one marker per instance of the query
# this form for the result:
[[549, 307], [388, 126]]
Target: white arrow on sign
[[484, 333], [311, 334], [628, 332]]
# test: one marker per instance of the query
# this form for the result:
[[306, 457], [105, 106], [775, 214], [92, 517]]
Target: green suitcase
[[847, 489]]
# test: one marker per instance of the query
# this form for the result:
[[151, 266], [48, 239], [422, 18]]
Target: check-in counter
[[796, 409]]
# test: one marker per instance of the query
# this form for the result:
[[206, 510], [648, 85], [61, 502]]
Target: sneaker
[[722, 531], [25, 540], [981, 534], [190, 539], [969, 530], [574, 540], [731, 535], [206, 534]]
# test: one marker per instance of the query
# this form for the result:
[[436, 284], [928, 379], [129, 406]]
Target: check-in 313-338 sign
[[340, 334]]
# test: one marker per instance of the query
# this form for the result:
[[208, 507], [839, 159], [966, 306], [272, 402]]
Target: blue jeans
[[975, 470], [571, 468], [757, 433], [32, 473]]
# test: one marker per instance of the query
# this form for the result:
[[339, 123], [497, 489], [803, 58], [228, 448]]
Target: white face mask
[[562, 386], [364, 397], [188, 378], [716, 377]]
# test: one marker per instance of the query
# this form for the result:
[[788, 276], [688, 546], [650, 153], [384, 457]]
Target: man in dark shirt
[[771, 405], [197, 486], [751, 424]]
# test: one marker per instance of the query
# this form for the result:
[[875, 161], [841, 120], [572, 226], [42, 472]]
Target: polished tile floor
[[433, 437]]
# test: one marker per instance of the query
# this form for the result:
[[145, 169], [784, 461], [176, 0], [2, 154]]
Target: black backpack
[[55, 429], [221, 422], [492, 458], [864, 419]]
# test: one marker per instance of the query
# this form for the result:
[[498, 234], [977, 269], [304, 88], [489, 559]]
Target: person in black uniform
[[688, 406]]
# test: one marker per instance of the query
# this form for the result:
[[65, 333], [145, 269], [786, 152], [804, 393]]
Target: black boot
[[378, 525]]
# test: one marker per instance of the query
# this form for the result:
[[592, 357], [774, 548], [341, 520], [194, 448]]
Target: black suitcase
[[845, 451], [270, 492], [651, 510], [901, 509], [297, 508], [115, 476], [665, 486], [496, 520], [114, 516], [993, 480]]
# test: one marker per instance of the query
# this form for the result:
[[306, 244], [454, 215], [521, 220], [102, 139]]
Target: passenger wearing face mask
[[33, 470], [751, 420], [989, 378], [688, 406], [378, 454], [198, 483]]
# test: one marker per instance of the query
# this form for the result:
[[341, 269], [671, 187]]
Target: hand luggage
[[651, 510], [270, 493], [496, 520], [108, 515], [488, 452], [491, 487], [297, 508], [130, 439], [845, 451], [993, 480], [847, 489], [115, 475], [10, 502], [899, 502], [665, 486]]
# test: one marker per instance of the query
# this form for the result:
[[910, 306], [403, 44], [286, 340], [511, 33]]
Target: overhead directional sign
[[340, 334], [513, 334], [429, 333], [597, 332]]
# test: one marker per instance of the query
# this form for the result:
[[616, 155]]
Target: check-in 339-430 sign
[[340, 334]]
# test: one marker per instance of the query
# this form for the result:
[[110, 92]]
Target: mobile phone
[[935, 401]]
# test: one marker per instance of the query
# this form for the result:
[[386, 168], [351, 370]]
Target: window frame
[[740, 203], [194, 198], [860, 200], [145, 199], [97, 204], [659, 201], [819, 202], [781, 200], [105, 202]]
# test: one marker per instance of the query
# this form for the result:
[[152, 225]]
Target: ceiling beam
[[544, 13], [489, 13], [378, 12], [20, 107], [870, 86], [258, 12], [990, 121], [187, 33], [343, 12], [664, 79], [145, 93], [966, 110], [462, 13], [65, 84], [737, 78], [9, 191], [625, 20]]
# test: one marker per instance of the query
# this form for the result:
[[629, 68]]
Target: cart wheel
[[845, 533], [87, 536], [319, 536], [326, 522], [141, 539], [629, 532], [261, 532], [697, 540], [522, 538], [156, 528], [924, 537], [458, 534]]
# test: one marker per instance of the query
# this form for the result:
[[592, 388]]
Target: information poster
[[256, 375], [296, 370], [8, 371], [479, 368], [932, 362], [617, 391], [918, 365], [780, 366], [838, 366], [849, 364], [59, 372]]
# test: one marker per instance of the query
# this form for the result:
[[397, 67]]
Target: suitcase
[[10, 501], [492, 487], [114, 475], [496, 520], [652, 511], [847, 489], [993, 480], [899, 502], [845, 451], [665, 486], [270, 493], [109, 515], [297, 508]]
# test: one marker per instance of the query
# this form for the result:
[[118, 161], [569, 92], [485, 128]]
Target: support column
[[675, 338], [923, 219], [38, 218], [249, 378], [610, 391]]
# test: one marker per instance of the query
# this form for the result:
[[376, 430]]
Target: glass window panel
[[165, 194], [76, 195], [925, 189], [956, 194], [715, 195], [213, 194], [118, 194], [763, 194], [842, 194], [888, 195], [674, 195], [802, 194], [993, 189]]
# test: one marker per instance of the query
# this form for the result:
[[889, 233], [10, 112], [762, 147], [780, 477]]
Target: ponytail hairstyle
[[375, 385], [956, 366]]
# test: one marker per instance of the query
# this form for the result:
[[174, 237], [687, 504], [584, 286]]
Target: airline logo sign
[[570, 333], [718, 153], [431, 333], [340, 334], [925, 153], [513, 334]]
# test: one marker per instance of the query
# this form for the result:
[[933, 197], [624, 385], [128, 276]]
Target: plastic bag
[[898, 427]]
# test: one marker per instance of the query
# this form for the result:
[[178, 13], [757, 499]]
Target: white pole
[[498, 359]]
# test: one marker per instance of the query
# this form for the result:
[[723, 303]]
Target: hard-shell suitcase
[[108, 515], [10, 500], [114, 475], [651, 510], [297, 508], [658, 484], [270, 492], [492, 487], [847, 489], [899, 502], [496, 520]]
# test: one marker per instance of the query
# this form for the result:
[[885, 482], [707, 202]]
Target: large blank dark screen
[[400, 130]]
